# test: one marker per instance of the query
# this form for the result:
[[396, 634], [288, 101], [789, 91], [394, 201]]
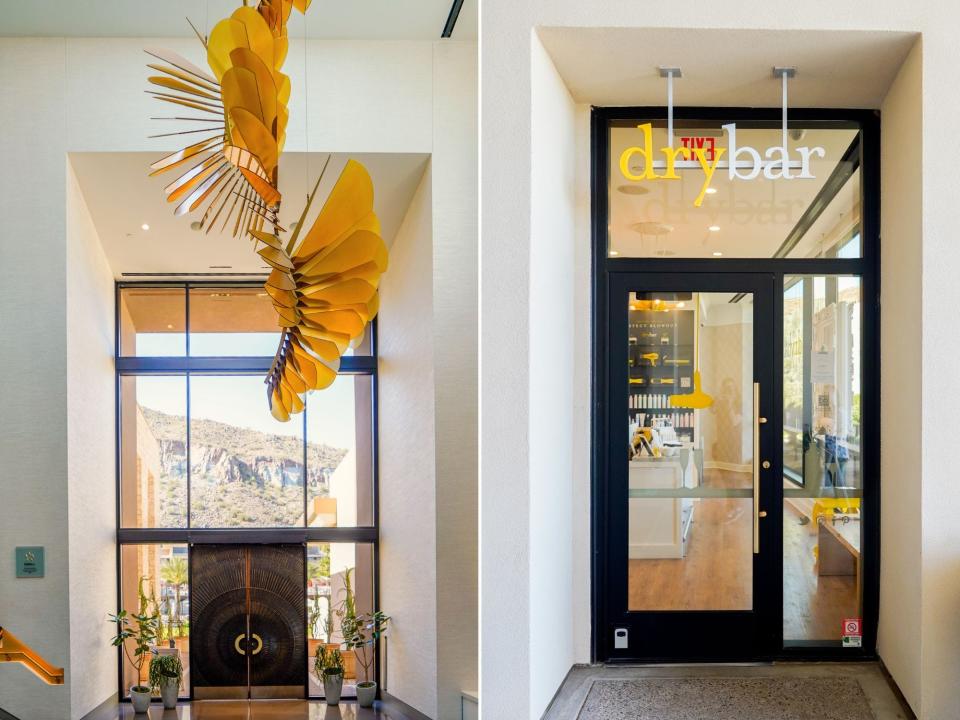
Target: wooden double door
[[248, 621]]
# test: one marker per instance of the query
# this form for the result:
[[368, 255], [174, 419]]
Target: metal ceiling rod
[[670, 73], [452, 19], [784, 73]]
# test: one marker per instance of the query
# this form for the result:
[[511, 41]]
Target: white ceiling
[[121, 198], [354, 19], [727, 68]]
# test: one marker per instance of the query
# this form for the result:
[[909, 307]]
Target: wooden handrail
[[12, 650]]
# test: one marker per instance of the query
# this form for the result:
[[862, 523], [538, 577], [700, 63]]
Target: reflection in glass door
[[691, 467]]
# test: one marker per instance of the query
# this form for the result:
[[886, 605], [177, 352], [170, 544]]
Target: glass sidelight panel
[[822, 450], [156, 577], [339, 583], [691, 431]]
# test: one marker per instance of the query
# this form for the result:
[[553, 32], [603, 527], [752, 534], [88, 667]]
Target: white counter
[[658, 527]]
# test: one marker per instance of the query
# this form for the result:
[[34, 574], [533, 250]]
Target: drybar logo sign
[[742, 162]]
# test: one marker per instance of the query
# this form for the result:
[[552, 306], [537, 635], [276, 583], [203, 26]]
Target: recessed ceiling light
[[711, 191], [714, 228], [169, 327], [652, 228], [632, 190], [681, 304], [717, 253], [614, 253], [144, 227]]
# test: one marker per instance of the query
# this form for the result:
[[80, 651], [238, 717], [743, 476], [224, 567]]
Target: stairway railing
[[12, 650]]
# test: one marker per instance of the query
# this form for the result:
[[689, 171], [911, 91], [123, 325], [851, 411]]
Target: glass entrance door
[[692, 541]]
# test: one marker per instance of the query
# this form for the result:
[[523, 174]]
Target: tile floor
[[252, 710], [883, 701]]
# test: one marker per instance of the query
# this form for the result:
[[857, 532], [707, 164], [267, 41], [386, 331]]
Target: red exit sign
[[707, 144]]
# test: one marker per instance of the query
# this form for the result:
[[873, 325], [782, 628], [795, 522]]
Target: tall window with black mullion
[[199, 451]]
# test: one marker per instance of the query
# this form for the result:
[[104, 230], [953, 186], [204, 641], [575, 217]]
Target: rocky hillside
[[239, 476]]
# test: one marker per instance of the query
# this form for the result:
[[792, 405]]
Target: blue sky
[[241, 400]]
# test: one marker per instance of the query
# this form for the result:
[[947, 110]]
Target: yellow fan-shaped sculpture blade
[[256, 137], [350, 200], [244, 28], [357, 249]]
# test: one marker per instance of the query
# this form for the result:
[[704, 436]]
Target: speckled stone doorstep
[[726, 699]]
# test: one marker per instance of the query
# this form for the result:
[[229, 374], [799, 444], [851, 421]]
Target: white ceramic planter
[[140, 699], [366, 693], [169, 692], [332, 687]]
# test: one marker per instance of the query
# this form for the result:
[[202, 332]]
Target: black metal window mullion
[[188, 366]]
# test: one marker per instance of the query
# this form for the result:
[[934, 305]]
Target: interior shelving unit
[[669, 334]]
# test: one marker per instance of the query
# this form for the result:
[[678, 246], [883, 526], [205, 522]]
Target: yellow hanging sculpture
[[323, 286], [235, 166]]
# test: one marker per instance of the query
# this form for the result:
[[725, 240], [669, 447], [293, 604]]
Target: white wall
[[91, 481], [86, 94], [428, 413], [33, 356], [508, 528], [454, 176], [408, 575], [550, 367], [900, 632]]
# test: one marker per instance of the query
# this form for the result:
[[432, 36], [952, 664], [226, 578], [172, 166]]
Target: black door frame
[[867, 267], [718, 635]]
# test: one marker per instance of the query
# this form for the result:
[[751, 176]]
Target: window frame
[[125, 366]]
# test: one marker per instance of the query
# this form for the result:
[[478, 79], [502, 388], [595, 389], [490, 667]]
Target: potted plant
[[141, 628], [166, 677], [361, 636], [328, 667]]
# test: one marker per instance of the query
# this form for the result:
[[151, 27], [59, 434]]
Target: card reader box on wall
[[30, 562]]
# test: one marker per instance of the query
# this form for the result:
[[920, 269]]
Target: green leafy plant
[[346, 611], [164, 668], [327, 661], [327, 622], [141, 629], [361, 635], [174, 574], [149, 606], [315, 613]]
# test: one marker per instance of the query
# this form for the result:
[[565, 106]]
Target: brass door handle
[[241, 637], [756, 468]]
